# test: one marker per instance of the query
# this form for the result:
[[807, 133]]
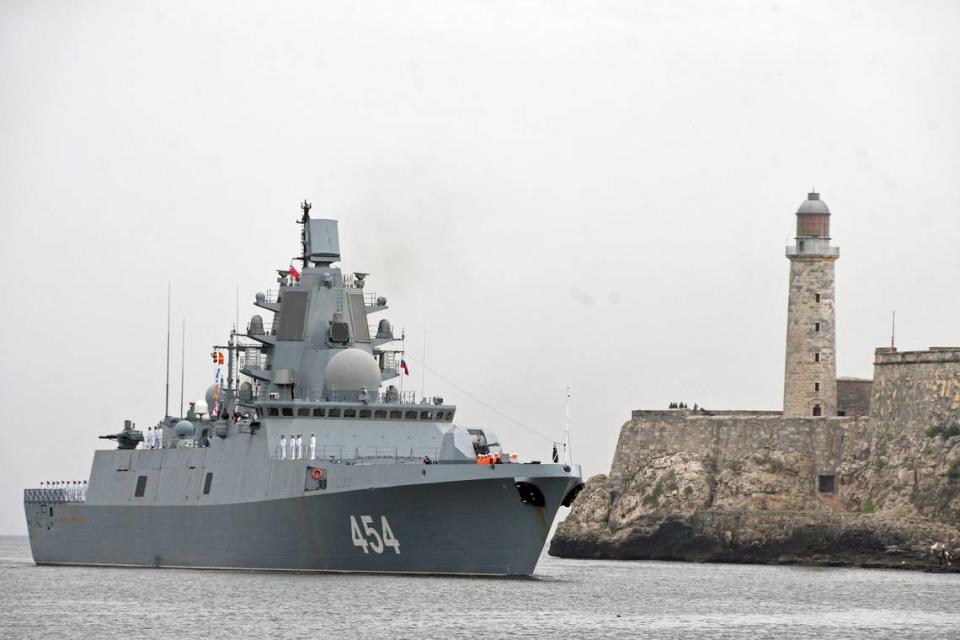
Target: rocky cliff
[[757, 487]]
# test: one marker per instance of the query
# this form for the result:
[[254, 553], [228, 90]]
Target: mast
[[567, 454], [166, 401], [183, 352], [423, 365]]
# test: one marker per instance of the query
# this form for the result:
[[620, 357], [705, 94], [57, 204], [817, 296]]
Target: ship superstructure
[[308, 457]]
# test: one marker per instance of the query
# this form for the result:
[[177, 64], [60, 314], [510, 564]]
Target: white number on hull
[[379, 543], [358, 539], [389, 539]]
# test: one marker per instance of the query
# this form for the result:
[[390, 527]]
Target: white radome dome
[[352, 370]]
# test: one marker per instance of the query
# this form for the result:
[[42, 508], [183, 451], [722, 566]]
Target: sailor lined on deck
[[283, 447]]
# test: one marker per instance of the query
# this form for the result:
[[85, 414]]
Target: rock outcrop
[[758, 487]]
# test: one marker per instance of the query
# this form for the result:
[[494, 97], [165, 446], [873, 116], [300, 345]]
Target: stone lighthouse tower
[[810, 380]]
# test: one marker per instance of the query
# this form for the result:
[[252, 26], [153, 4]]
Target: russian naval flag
[[403, 365]]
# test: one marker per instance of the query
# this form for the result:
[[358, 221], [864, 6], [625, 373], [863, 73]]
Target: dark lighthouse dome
[[813, 217]]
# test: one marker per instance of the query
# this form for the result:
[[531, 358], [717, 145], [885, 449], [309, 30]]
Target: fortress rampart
[[852, 471]]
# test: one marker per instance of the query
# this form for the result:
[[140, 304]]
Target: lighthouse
[[810, 377]]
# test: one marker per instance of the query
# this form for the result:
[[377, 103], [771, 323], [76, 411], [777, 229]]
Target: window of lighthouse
[[816, 386], [816, 357], [817, 296], [816, 327], [817, 410]]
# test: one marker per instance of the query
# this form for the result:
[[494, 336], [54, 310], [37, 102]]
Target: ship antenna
[[305, 207], [423, 374], [567, 453], [183, 351], [166, 401], [403, 346]]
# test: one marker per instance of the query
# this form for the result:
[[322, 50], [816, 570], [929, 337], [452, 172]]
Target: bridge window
[[141, 487], [410, 415], [439, 415], [303, 411], [273, 411], [349, 413], [287, 411], [319, 413], [380, 413], [395, 415], [207, 481], [426, 415], [334, 413]]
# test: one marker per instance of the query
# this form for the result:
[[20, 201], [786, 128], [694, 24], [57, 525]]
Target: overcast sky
[[594, 194]]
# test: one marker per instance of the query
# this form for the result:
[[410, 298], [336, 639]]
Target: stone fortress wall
[[875, 481], [853, 396], [873, 490]]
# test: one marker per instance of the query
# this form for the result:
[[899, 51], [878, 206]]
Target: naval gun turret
[[129, 438]]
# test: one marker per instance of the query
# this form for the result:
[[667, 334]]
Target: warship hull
[[476, 526]]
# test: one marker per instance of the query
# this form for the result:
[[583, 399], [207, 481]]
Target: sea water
[[565, 599]]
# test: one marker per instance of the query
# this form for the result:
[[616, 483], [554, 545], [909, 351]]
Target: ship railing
[[400, 397], [370, 299], [253, 361], [48, 496], [271, 296], [340, 454]]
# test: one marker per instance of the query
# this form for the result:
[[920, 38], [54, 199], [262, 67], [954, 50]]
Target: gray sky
[[594, 194]]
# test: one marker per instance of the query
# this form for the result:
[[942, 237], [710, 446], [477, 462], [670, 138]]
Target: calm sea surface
[[566, 599]]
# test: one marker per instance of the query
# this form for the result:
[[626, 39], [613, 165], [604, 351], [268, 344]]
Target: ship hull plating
[[477, 527]]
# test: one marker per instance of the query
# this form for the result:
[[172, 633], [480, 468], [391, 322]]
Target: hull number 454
[[368, 537]]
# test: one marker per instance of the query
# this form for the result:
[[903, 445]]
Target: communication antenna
[[423, 366], [893, 331], [403, 346], [236, 359], [183, 352], [567, 453], [166, 401]]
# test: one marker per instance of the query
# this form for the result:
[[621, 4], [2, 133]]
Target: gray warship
[[307, 458]]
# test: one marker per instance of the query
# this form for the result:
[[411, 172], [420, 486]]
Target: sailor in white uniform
[[283, 447], [299, 446], [313, 446]]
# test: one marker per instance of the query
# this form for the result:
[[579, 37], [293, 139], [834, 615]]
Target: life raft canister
[[317, 474]]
